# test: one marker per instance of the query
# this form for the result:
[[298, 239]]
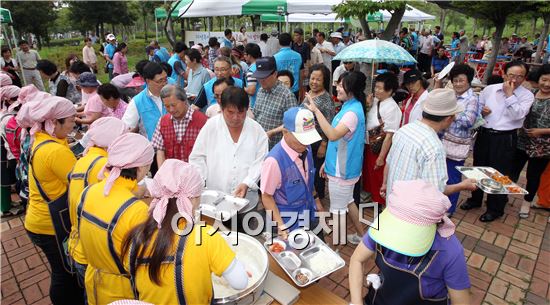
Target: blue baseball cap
[[301, 122]]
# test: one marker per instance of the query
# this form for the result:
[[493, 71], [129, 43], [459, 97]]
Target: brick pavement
[[508, 260]]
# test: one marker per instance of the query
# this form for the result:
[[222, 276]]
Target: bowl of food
[[254, 257], [302, 276], [491, 184], [278, 246]]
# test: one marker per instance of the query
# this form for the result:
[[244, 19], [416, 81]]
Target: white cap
[[111, 37], [336, 34], [301, 122], [442, 102]]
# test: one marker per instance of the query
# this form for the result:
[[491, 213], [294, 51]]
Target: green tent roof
[[160, 12], [5, 16], [258, 7]]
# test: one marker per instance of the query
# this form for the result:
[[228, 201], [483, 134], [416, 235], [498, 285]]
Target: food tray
[[218, 205], [486, 182], [315, 261]]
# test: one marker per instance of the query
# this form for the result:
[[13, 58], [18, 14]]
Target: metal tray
[[303, 261], [485, 182], [218, 205]]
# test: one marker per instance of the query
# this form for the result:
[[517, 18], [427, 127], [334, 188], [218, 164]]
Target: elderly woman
[[344, 157], [458, 138], [534, 143], [51, 160], [100, 135], [174, 258], [383, 120], [420, 259], [107, 211]]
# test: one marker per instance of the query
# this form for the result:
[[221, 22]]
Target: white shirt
[[327, 58], [131, 117], [426, 44], [416, 112], [390, 113], [224, 164], [272, 46], [263, 47], [507, 113], [338, 72], [316, 56]]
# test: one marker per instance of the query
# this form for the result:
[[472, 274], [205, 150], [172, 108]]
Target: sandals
[[524, 210]]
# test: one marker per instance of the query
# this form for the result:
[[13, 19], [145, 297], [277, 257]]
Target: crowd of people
[[278, 122]]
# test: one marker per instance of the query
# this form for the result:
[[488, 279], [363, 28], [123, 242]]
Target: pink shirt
[[271, 173], [349, 120], [120, 63], [95, 104]]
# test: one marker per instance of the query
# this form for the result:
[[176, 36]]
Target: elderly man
[[417, 152], [272, 100], [145, 109], [326, 49], [28, 59], [222, 68], [464, 46], [288, 173], [176, 131], [230, 149], [504, 108]]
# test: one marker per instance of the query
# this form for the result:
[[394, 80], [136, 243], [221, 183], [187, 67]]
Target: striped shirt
[[417, 153]]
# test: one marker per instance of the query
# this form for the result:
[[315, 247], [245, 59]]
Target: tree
[[34, 17], [542, 9], [94, 14], [361, 9], [146, 7], [495, 11]]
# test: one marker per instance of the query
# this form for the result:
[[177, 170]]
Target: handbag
[[456, 148], [377, 134]]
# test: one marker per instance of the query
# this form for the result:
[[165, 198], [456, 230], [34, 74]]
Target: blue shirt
[[110, 50], [454, 45], [252, 80], [196, 79], [172, 61], [414, 39], [287, 59], [548, 44], [439, 63], [464, 121], [226, 43], [448, 268]]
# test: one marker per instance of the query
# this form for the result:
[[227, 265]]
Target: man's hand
[[370, 99], [485, 111], [240, 190], [379, 163], [508, 88], [322, 173], [535, 132], [321, 152], [468, 185], [383, 190]]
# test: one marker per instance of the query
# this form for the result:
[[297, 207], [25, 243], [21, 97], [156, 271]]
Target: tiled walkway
[[508, 260]]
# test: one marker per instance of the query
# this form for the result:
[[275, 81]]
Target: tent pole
[[13, 36], [156, 29]]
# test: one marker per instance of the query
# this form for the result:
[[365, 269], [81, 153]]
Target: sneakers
[[354, 238]]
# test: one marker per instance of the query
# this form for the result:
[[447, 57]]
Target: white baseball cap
[[442, 102], [336, 34], [111, 37], [301, 122]]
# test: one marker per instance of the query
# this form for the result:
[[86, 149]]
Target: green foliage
[[456, 20], [85, 15], [360, 9], [32, 16]]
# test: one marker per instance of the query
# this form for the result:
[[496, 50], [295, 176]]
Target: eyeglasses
[[512, 76], [161, 81], [221, 69]]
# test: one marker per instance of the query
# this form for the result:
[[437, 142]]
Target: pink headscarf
[[127, 151], [28, 93], [104, 131], [175, 179], [8, 92], [197, 47], [5, 79], [419, 202], [44, 110]]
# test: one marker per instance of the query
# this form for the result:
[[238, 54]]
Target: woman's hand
[[310, 104], [370, 99], [535, 132], [379, 163], [322, 172], [322, 151]]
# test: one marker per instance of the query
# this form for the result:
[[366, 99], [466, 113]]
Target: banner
[[195, 37]]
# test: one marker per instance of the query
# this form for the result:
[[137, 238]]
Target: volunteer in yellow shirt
[[100, 135], [176, 269], [107, 211], [47, 221]]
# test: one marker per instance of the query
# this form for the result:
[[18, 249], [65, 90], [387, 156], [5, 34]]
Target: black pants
[[535, 168], [64, 288], [496, 150], [319, 182], [424, 63]]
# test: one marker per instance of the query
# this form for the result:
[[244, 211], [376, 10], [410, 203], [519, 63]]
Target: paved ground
[[508, 260]]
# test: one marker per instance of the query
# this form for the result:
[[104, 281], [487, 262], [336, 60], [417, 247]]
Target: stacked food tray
[[491, 181], [218, 205], [304, 257]]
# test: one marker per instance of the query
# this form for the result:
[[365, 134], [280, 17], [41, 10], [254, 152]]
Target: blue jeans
[[64, 288], [454, 177]]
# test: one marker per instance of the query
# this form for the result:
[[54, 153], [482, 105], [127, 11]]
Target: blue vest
[[295, 194], [149, 113], [286, 59], [210, 94], [175, 58], [162, 54], [110, 50], [252, 69], [350, 153]]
